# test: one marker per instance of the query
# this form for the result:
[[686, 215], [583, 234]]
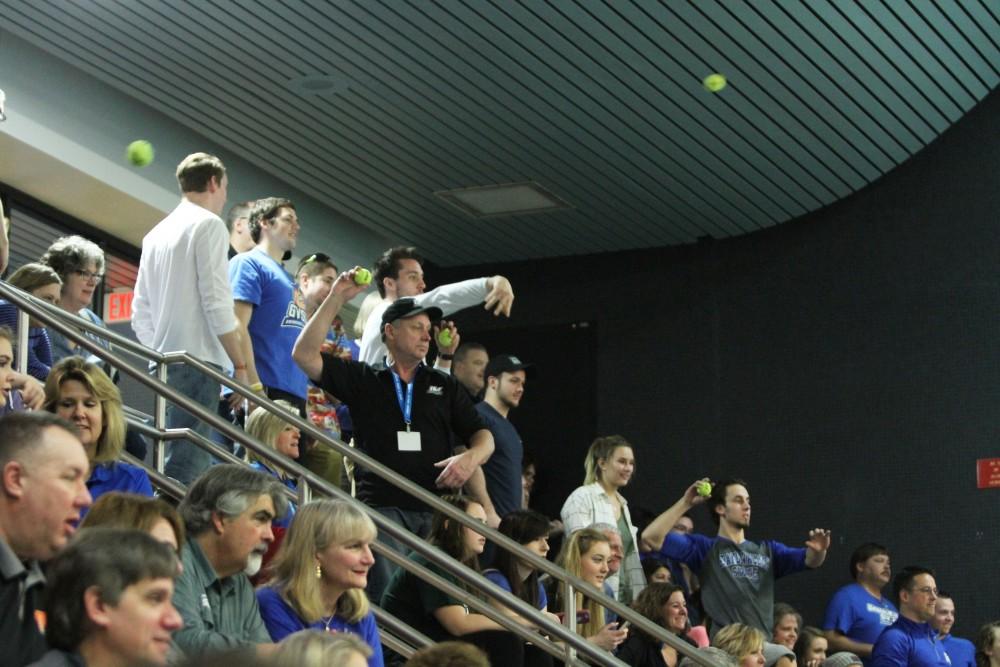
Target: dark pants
[[418, 523]]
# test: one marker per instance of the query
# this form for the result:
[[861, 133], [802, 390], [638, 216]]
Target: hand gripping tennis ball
[[713, 83], [704, 489], [139, 152], [444, 338], [362, 277]]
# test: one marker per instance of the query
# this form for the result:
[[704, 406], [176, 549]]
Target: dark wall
[[845, 364]]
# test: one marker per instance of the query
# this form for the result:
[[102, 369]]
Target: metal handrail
[[69, 325]]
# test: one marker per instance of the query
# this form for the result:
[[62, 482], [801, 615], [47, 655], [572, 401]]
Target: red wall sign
[[988, 473], [118, 307]]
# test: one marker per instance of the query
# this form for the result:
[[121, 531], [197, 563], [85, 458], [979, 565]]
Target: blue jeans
[[418, 523], [186, 460]]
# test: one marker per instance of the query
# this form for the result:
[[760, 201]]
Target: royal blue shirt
[[907, 643], [962, 652], [39, 347], [281, 522], [281, 620], [117, 476], [498, 578], [858, 615]]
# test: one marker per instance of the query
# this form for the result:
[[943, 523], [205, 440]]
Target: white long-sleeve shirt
[[183, 300], [449, 298]]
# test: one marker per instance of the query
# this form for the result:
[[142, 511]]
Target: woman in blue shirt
[[82, 393], [281, 436], [44, 283], [530, 530], [320, 573]]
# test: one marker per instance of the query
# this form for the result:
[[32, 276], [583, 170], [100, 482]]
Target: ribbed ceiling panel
[[601, 102]]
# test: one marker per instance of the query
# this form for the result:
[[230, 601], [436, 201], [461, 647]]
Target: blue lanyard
[[406, 406]]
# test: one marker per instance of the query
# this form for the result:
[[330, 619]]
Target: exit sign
[[988, 473], [118, 307]]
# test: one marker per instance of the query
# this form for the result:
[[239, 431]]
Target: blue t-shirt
[[737, 580], [281, 620], [281, 522], [907, 643], [117, 476], [278, 317], [498, 578], [39, 347], [962, 652], [860, 616], [503, 469]]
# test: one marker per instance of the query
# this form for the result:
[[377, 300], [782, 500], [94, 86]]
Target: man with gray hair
[[228, 513], [109, 600]]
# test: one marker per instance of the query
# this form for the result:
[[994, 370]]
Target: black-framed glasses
[[89, 275]]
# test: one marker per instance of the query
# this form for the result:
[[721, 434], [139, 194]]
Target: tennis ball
[[444, 338], [713, 83], [139, 152], [362, 277], [704, 489]]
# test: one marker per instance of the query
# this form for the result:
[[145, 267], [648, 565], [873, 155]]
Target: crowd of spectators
[[96, 571]]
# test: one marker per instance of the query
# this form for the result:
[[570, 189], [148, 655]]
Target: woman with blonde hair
[[42, 282], [608, 468], [586, 555], [80, 392], [281, 436], [988, 645], [742, 642], [319, 575], [128, 510], [312, 648]]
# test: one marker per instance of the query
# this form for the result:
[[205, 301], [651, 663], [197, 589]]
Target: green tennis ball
[[713, 83], [444, 338], [704, 489], [362, 277], [139, 152]]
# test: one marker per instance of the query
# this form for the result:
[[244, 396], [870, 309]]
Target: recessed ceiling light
[[318, 84], [486, 201]]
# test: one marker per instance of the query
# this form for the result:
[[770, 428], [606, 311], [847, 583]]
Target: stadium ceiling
[[373, 107]]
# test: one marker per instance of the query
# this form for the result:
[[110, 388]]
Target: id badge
[[408, 441]]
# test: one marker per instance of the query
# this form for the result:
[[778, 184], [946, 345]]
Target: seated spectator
[[436, 613], [988, 645], [42, 282], [312, 648], [717, 655], [109, 601], [449, 654], [787, 622], [586, 555], [80, 265], [82, 393], [609, 466], [10, 398], [281, 436], [530, 530], [656, 571], [128, 510], [961, 652], [663, 604], [37, 518], [320, 573], [910, 640], [842, 659], [810, 647], [227, 513], [742, 642]]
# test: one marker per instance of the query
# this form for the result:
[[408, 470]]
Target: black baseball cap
[[408, 307], [507, 363]]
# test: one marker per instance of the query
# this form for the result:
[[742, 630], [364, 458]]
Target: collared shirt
[[117, 476], [440, 407], [588, 505], [908, 643], [20, 597], [219, 614]]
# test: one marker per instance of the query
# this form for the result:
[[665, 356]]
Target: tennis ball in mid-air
[[713, 83], [704, 489], [139, 152], [362, 277], [444, 338]]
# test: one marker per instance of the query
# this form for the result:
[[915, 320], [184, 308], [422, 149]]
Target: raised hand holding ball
[[362, 277]]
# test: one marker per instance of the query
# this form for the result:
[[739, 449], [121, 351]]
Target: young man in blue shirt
[[911, 641], [962, 652]]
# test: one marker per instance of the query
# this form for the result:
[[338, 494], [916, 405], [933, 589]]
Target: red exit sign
[[118, 307], [988, 473]]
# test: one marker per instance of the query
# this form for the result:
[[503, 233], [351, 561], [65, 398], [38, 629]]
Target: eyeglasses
[[926, 590], [89, 276]]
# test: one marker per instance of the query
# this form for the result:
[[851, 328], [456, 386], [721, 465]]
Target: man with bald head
[[43, 489]]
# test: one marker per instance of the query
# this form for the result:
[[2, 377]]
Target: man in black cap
[[403, 414], [506, 376]]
